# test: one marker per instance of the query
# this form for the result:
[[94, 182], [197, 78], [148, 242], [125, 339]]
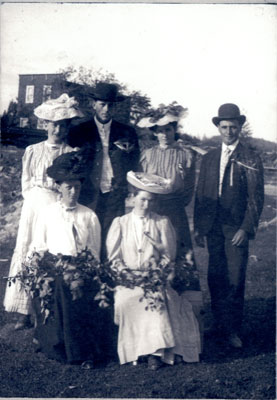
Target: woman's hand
[[158, 245]]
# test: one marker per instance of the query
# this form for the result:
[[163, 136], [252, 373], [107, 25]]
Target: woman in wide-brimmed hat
[[38, 190], [134, 241], [176, 162], [74, 332]]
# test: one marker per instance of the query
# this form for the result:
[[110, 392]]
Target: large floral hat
[[149, 182], [163, 115], [64, 107], [68, 166]]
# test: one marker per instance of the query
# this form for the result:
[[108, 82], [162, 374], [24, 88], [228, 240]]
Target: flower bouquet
[[152, 278], [186, 276], [41, 269]]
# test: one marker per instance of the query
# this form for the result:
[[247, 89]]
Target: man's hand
[[199, 240], [239, 238]]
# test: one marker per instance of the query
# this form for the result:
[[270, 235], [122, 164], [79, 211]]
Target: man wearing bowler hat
[[112, 149], [228, 203]]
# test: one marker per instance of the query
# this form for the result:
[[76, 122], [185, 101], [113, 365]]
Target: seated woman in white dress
[[38, 190], [76, 331], [161, 335]]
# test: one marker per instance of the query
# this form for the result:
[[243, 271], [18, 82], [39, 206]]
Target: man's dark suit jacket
[[86, 136], [241, 202]]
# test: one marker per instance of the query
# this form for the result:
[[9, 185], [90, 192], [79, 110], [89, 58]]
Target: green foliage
[[40, 270], [137, 103], [152, 278]]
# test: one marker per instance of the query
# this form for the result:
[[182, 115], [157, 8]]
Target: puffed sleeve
[[26, 170], [168, 237], [113, 242], [142, 166], [94, 236]]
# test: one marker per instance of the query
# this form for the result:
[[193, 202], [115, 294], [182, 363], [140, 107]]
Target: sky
[[200, 55]]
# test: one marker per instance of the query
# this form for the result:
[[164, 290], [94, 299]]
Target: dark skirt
[[76, 330]]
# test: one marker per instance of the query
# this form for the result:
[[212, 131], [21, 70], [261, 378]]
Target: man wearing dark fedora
[[228, 203], [112, 149]]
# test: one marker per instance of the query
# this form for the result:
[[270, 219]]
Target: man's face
[[103, 110], [229, 131]]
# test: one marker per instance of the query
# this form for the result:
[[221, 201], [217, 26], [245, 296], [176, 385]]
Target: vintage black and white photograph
[[138, 200]]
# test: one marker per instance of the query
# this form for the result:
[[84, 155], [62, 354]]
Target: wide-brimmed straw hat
[[149, 182], [229, 111], [68, 166], [64, 107], [163, 116], [105, 92]]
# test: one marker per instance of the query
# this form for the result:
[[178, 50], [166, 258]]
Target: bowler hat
[[229, 111], [105, 92], [68, 166]]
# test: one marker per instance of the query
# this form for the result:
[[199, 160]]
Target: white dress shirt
[[226, 152], [107, 170]]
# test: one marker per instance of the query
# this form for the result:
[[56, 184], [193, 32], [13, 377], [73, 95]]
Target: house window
[[46, 94], [41, 124], [29, 94], [23, 122]]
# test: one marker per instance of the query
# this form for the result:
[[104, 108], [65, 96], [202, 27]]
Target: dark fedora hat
[[68, 167], [105, 92], [229, 111]]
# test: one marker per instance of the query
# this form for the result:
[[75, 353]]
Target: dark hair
[[135, 191], [59, 182], [174, 124]]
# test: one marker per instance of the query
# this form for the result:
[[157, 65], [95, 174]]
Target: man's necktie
[[225, 155]]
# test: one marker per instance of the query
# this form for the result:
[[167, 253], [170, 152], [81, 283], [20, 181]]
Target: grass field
[[223, 373]]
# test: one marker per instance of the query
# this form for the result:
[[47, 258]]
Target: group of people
[[75, 186]]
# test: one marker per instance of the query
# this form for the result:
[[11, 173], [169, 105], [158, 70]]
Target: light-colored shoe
[[134, 363], [235, 341]]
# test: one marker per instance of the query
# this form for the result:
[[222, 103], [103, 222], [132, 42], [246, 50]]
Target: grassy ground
[[222, 373]]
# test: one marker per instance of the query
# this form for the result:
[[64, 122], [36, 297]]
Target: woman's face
[[143, 202], [70, 191], [57, 131], [165, 135]]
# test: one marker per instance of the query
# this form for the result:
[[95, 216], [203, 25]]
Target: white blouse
[[126, 239], [67, 231], [36, 159]]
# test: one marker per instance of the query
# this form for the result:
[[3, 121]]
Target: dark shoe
[[24, 322], [88, 364], [178, 359], [154, 363], [235, 341]]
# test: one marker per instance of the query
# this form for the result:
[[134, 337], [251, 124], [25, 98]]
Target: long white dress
[[38, 191], [172, 331]]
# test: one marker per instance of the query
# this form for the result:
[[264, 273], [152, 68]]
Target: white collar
[[231, 146], [100, 125]]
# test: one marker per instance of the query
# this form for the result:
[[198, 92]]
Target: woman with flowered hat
[[172, 160], [38, 190], [74, 331], [136, 241]]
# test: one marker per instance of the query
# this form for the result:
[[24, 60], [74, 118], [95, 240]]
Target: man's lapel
[[214, 168]]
